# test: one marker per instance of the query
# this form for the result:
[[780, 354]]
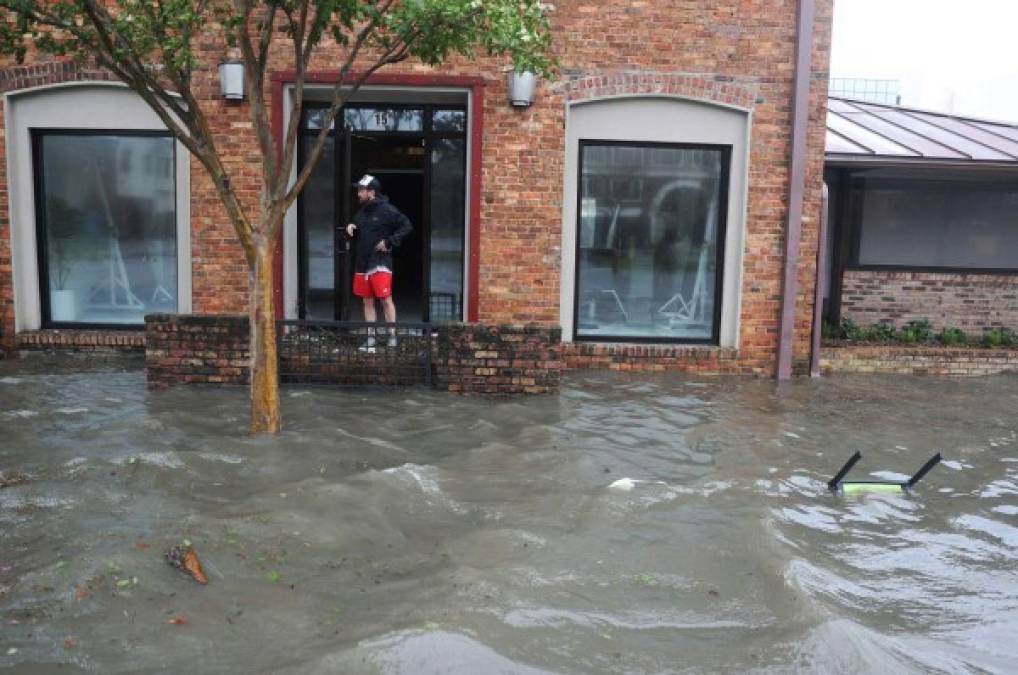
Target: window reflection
[[448, 185], [650, 219], [954, 221], [108, 211], [384, 119], [449, 121]]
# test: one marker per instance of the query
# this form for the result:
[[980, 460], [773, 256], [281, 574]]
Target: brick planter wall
[[972, 302], [466, 358], [504, 359], [194, 349], [948, 361], [685, 358]]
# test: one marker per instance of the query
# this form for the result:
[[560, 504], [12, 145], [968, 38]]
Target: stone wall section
[[82, 341], [650, 358], [941, 361], [972, 302]]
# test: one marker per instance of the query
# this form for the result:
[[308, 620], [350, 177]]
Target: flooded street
[[633, 524]]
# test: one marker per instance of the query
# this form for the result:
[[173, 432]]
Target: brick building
[[923, 218], [640, 203]]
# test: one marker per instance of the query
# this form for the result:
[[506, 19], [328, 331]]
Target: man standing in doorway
[[379, 227]]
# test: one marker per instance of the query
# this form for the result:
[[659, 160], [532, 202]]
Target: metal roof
[[858, 131]]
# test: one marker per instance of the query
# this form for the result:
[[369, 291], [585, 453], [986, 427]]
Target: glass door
[[418, 153]]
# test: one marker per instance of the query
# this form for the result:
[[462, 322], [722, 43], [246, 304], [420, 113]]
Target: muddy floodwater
[[633, 524]]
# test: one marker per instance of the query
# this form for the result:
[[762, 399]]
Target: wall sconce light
[[231, 79], [521, 88]]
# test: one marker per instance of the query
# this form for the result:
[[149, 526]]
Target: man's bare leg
[[388, 309], [369, 310], [370, 317]]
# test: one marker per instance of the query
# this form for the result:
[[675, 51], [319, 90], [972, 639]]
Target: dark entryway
[[419, 155]]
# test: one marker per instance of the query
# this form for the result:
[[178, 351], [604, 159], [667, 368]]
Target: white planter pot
[[521, 89], [62, 306]]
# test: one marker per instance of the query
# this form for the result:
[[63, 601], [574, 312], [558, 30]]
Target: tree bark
[[265, 417]]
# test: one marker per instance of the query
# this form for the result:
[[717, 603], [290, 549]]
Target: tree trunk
[[265, 416]]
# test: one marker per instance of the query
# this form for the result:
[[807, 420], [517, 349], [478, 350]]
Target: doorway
[[418, 153]]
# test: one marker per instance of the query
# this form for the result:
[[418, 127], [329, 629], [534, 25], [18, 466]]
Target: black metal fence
[[354, 352]]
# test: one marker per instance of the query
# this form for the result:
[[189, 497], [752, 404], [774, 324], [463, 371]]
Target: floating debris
[[186, 560], [839, 484], [10, 478]]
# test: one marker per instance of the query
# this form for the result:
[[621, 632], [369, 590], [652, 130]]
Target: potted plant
[[63, 227]]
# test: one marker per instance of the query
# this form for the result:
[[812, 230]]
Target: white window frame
[[661, 119], [76, 105]]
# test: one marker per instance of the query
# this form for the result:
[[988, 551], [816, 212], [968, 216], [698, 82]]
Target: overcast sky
[[944, 51]]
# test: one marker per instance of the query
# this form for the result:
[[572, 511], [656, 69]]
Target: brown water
[[418, 532]]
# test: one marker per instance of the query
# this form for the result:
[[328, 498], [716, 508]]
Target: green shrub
[[849, 329], [881, 332], [953, 336], [1000, 337], [916, 331], [992, 338]]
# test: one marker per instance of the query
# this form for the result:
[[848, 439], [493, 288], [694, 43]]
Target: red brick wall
[[941, 361], [972, 302], [190, 349], [724, 52], [651, 358]]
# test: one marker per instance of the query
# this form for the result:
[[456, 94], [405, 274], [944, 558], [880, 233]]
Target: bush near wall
[[916, 332]]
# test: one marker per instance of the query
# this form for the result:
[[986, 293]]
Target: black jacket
[[376, 221]]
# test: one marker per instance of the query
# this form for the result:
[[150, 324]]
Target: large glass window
[[107, 225], [448, 204], [949, 220], [650, 225], [319, 219]]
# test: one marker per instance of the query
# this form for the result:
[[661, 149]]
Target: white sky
[[948, 53]]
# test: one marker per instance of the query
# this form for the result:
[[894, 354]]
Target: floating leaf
[[61, 564], [186, 560], [273, 576], [123, 583]]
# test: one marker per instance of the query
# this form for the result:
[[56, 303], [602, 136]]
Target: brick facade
[[941, 361], [738, 55], [972, 302]]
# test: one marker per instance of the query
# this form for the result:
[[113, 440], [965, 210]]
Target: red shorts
[[374, 285]]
